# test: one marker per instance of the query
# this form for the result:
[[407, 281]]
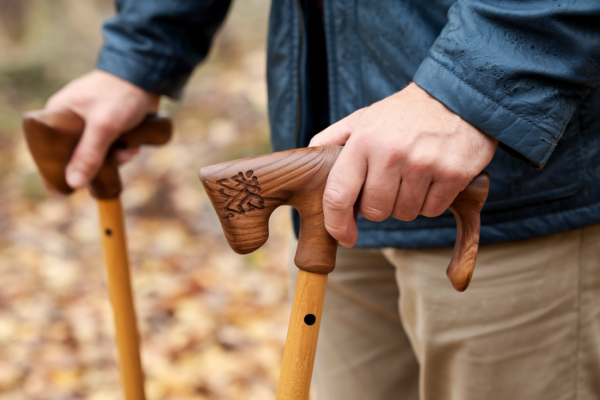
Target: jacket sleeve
[[156, 44], [516, 69]]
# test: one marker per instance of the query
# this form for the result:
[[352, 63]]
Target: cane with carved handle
[[245, 192], [52, 138]]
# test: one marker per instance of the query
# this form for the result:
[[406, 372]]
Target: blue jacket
[[524, 71]]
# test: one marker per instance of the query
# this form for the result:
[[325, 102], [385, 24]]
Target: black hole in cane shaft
[[108, 232], [310, 319]]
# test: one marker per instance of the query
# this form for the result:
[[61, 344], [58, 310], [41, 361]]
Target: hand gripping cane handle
[[52, 137], [245, 192]]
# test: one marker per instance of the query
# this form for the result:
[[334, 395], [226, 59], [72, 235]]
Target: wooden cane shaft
[[303, 333], [121, 297]]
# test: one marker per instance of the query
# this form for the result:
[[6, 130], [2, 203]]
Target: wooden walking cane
[[245, 192], [52, 138]]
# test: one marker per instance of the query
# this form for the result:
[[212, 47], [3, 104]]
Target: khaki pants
[[528, 327]]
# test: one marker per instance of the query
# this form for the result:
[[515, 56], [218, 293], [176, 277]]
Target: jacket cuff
[[524, 137], [157, 75]]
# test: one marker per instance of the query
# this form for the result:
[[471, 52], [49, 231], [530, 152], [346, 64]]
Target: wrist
[[438, 107]]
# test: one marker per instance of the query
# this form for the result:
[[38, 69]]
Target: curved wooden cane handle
[[466, 208], [53, 136], [245, 192]]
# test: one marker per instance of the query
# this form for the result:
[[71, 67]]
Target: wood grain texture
[[466, 209], [121, 298], [302, 337], [244, 193], [53, 136]]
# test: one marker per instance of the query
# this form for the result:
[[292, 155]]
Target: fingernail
[[75, 179]]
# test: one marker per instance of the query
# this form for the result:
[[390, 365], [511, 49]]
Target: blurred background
[[212, 322]]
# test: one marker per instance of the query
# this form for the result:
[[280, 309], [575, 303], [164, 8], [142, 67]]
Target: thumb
[[100, 132], [338, 133]]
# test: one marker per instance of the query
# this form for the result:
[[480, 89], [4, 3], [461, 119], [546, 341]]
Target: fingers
[[410, 155], [109, 106], [381, 187], [343, 187], [442, 193], [417, 175], [338, 133], [124, 156], [439, 198], [89, 154], [410, 200]]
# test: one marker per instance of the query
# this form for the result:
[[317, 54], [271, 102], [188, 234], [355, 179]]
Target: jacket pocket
[[514, 183]]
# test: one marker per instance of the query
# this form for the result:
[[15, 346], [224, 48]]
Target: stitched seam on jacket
[[490, 99], [164, 63], [543, 139], [546, 157]]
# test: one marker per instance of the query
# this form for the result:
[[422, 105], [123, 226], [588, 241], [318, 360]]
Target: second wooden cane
[[52, 138], [121, 297]]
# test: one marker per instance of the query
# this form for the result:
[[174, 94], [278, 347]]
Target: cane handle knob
[[53, 136]]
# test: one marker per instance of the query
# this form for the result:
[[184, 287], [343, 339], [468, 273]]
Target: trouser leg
[[527, 327], [588, 355], [363, 352]]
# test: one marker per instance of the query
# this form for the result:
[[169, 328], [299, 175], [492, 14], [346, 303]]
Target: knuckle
[[405, 215], [433, 211], [455, 175], [335, 231], [106, 126], [53, 102], [334, 199], [374, 214], [395, 156], [88, 161], [339, 234], [61, 99], [422, 165], [360, 139]]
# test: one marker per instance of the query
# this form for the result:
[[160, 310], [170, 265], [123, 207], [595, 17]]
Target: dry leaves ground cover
[[212, 322]]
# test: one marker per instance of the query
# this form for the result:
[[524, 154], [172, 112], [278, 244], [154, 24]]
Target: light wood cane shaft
[[245, 192], [121, 297], [302, 337]]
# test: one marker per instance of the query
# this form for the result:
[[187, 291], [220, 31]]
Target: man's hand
[[408, 154], [110, 106]]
